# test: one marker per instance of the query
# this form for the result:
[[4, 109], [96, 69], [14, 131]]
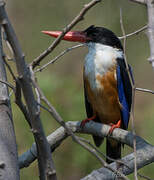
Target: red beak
[[76, 36]]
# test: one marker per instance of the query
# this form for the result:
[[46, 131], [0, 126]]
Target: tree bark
[[150, 11], [8, 151]]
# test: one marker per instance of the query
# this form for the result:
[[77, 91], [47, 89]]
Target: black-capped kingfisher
[[107, 87]]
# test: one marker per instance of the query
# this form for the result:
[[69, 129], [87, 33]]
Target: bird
[[107, 83]]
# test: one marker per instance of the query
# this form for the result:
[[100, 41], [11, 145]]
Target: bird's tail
[[113, 149], [98, 140]]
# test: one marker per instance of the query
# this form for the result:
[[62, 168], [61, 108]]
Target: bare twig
[[77, 19], [140, 1], [10, 70], [57, 57], [8, 84], [135, 32], [133, 96], [144, 90]]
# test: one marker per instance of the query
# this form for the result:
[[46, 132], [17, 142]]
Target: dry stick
[[133, 95], [8, 84], [135, 32], [46, 167], [59, 119], [77, 19], [140, 1], [10, 70], [144, 90], [36, 90], [57, 57]]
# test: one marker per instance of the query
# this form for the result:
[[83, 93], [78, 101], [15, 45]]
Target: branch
[[139, 1], [135, 32], [9, 168], [46, 167], [150, 9], [145, 151], [144, 90], [77, 19], [57, 57]]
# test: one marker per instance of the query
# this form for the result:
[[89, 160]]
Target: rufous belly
[[104, 98]]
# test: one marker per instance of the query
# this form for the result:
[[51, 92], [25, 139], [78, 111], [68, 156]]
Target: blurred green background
[[62, 82]]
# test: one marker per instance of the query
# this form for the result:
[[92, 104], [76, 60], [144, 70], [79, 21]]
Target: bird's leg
[[113, 126], [87, 120]]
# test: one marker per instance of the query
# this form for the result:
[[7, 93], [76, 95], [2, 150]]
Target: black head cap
[[103, 36]]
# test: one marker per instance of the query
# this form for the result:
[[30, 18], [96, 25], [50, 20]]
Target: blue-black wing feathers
[[124, 90]]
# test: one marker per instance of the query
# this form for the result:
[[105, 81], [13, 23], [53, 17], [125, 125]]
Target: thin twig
[[134, 33], [143, 2], [8, 84], [57, 57], [133, 96], [36, 90], [77, 19], [144, 90], [10, 70]]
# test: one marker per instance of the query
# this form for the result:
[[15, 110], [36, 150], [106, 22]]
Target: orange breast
[[104, 99]]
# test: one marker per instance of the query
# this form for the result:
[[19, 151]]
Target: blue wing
[[124, 91]]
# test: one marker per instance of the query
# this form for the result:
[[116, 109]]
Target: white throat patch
[[98, 61]]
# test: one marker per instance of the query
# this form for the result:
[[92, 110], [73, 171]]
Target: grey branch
[[150, 12], [150, 9], [145, 151], [46, 167], [8, 151]]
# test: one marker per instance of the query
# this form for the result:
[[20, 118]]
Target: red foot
[[86, 120], [113, 126]]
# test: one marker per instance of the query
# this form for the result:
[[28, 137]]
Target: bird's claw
[[86, 121], [113, 126]]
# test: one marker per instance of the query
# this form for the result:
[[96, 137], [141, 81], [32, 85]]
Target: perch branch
[[145, 151]]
